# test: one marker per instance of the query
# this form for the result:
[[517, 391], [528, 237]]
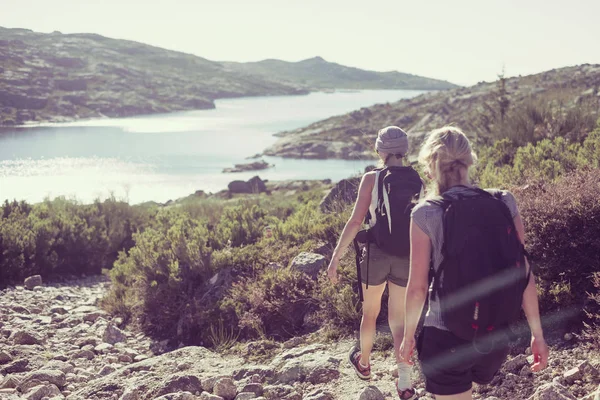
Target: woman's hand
[[540, 352], [405, 351], [332, 271]]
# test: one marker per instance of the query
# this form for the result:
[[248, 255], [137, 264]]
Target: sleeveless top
[[429, 217]]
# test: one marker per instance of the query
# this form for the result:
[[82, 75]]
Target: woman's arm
[[416, 291], [530, 305], [363, 201]]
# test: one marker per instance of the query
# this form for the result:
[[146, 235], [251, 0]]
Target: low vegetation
[[203, 271]]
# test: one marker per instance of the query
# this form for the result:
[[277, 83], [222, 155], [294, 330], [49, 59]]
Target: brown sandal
[[406, 394]]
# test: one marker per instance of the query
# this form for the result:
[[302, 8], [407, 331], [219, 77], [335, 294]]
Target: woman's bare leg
[[371, 307]]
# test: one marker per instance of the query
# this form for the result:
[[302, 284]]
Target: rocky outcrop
[[343, 193], [254, 185], [253, 166], [309, 263]]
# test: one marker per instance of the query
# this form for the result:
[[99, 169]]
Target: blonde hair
[[447, 156]]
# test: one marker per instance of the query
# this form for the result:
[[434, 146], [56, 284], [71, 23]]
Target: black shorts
[[451, 365]]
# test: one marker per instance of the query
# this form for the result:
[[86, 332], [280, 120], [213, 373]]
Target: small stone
[[225, 387], [568, 337], [10, 382], [49, 376], [103, 348], [515, 364], [572, 375], [208, 396], [87, 354], [5, 357], [26, 338], [39, 392], [255, 388], [106, 370], [33, 281], [245, 396], [371, 393], [113, 335], [552, 391], [525, 371], [125, 358], [58, 310], [17, 366]]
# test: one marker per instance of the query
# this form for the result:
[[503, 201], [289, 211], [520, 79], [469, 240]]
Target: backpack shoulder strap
[[382, 173]]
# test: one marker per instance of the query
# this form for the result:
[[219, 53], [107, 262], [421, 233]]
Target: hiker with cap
[[384, 203]]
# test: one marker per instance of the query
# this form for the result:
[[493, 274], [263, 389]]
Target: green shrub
[[339, 305], [156, 279], [272, 304], [504, 164]]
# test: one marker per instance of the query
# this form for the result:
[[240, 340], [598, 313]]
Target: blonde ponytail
[[447, 156]]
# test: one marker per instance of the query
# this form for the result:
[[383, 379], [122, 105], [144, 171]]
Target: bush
[[562, 221], [505, 164], [272, 304], [156, 279]]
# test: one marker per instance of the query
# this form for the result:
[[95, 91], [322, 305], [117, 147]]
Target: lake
[[168, 156]]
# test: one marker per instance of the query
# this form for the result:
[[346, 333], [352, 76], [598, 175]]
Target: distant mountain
[[60, 77], [569, 94], [316, 73]]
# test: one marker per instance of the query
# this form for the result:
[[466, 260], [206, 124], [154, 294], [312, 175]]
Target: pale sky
[[463, 41]]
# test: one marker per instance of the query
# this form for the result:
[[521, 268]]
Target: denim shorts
[[451, 365], [383, 267]]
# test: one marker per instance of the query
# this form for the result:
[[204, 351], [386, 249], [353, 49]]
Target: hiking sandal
[[354, 357], [406, 394]]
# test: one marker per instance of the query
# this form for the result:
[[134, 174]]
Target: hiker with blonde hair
[[385, 198], [474, 241]]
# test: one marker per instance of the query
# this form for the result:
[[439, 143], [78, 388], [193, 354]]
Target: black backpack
[[403, 186], [391, 231], [483, 265]]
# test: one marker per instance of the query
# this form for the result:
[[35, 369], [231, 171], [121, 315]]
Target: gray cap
[[392, 140]]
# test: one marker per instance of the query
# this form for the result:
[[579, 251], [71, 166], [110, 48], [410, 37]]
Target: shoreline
[[63, 119]]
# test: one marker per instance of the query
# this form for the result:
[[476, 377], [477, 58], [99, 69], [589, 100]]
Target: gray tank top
[[429, 218]]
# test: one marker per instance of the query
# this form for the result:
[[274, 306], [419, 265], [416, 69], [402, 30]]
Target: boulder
[[309, 263], [33, 281], [253, 185], [342, 194], [241, 187]]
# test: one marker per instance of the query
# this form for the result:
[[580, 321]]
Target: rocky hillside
[[56, 343], [320, 74], [56, 77], [475, 109]]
